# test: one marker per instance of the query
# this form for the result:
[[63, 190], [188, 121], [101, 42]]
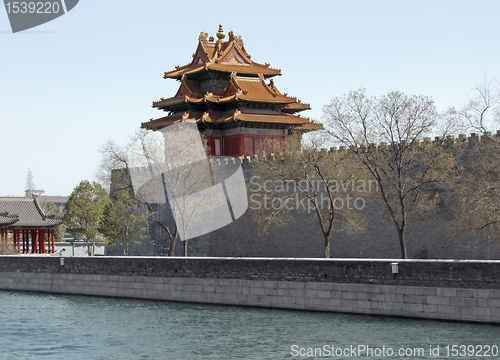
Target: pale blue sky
[[70, 84]]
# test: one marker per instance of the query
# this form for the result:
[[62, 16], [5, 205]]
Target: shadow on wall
[[427, 238]]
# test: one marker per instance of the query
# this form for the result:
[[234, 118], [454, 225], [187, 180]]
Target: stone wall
[[427, 238], [453, 290]]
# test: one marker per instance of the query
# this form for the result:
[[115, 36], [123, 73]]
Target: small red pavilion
[[23, 221], [238, 108]]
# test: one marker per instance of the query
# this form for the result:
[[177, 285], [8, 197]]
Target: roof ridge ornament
[[203, 36], [38, 207], [221, 34]]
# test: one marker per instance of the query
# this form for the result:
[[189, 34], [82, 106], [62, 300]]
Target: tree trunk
[[173, 239], [327, 246], [185, 248], [402, 244]]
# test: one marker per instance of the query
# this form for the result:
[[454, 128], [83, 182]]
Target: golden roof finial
[[221, 34]]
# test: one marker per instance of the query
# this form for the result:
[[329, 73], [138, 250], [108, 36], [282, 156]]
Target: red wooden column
[[241, 145], [28, 234], [33, 242], [46, 241], [19, 241], [42, 241], [52, 235], [24, 240], [37, 239], [4, 235], [27, 239], [15, 239]]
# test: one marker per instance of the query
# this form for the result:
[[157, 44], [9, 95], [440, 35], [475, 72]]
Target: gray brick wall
[[450, 290]]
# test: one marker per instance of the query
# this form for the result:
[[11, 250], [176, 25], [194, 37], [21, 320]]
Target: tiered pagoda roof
[[223, 88]]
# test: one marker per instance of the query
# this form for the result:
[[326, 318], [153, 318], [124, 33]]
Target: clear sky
[[68, 85]]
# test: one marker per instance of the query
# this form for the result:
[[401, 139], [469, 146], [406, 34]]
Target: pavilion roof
[[296, 106], [246, 89], [226, 56], [28, 212], [7, 219], [240, 88], [236, 115]]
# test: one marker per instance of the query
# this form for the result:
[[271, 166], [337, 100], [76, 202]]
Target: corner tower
[[233, 99]]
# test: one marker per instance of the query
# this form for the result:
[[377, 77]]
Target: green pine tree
[[120, 225], [84, 211]]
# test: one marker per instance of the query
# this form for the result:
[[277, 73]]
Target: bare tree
[[166, 170], [482, 111], [114, 172], [328, 184], [406, 167], [477, 185], [476, 191]]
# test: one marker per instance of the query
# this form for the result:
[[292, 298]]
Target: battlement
[[461, 141]]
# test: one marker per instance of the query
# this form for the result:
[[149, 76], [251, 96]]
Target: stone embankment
[[434, 289]]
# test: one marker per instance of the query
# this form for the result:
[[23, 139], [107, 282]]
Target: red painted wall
[[246, 144]]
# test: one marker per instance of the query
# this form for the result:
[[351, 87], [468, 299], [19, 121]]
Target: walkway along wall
[[435, 289]]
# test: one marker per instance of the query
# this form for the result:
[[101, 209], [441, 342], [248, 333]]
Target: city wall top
[[441, 273]]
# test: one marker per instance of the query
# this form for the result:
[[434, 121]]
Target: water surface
[[70, 327]]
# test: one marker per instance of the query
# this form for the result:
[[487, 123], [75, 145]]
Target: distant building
[[23, 221], [33, 193], [233, 99]]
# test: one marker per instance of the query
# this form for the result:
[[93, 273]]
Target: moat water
[[52, 327]]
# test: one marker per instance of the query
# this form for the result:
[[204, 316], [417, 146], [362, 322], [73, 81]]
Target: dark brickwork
[[427, 238], [429, 273]]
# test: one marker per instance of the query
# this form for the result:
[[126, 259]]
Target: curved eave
[[297, 122], [238, 69], [187, 69], [283, 119], [310, 126], [170, 120], [8, 220], [296, 106], [173, 101], [245, 69], [243, 97]]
